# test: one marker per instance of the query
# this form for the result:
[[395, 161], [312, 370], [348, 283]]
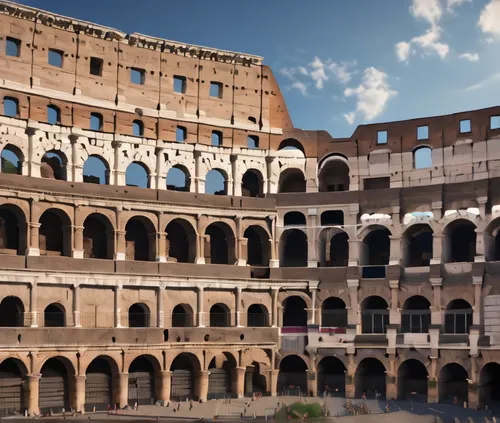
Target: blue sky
[[339, 63]]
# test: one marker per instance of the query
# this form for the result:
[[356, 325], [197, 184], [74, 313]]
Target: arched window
[[137, 128], [137, 175], [376, 248], [417, 246], [96, 171], [96, 122], [251, 185], [293, 249], [459, 242], [53, 165], [458, 317], [291, 144], [181, 245], [54, 236], [215, 183], [292, 180], [334, 314], [12, 230], [11, 107], [182, 316], [178, 179], [11, 312], [294, 218], [98, 237], [221, 247], [54, 316], [333, 174], [257, 246], [374, 315], [139, 316], [139, 245], [53, 115], [294, 312], [422, 157], [416, 315], [12, 160], [220, 316], [216, 138], [257, 316]]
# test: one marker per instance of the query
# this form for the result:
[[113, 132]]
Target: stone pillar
[[33, 391], [242, 251], [312, 318], [270, 184], [34, 305], [350, 387], [200, 300], [395, 250], [394, 314], [312, 385], [202, 386], [477, 281], [165, 383], [152, 180], [353, 311], [34, 247], [162, 253], [237, 176], [117, 291], [436, 314], [76, 306], [123, 389], [79, 397], [237, 300], [274, 300], [200, 249], [432, 382], [199, 181], [391, 379], [437, 247], [78, 242], [353, 252], [121, 246], [273, 382], [238, 387], [312, 259], [473, 383], [159, 306]]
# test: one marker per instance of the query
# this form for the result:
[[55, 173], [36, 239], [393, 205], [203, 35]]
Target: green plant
[[300, 410]]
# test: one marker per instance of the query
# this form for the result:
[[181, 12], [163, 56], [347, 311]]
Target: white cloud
[[471, 57], [341, 71], [318, 73], [455, 3], [288, 72], [372, 95], [430, 43], [299, 85], [303, 70], [428, 10], [489, 40], [490, 18], [403, 51], [485, 82]]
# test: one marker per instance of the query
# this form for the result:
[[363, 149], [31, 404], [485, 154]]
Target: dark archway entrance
[[417, 246], [453, 385], [293, 247], [220, 371], [295, 313], [292, 377], [55, 237], [11, 312], [220, 316], [10, 231], [54, 316], [138, 240], [12, 397], [374, 315], [139, 316], [54, 387], [182, 316], [458, 317], [333, 313], [220, 250], [292, 180], [255, 381], [141, 379], [416, 315], [412, 381], [181, 241], [459, 242], [258, 246], [369, 379], [331, 377], [96, 234], [489, 386], [257, 316], [183, 377], [251, 184], [98, 385]]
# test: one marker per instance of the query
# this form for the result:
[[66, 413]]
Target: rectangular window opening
[[13, 47], [180, 134], [422, 133], [377, 183], [56, 58], [253, 141], [495, 122], [96, 122], [465, 126], [11, 107], [179, 84], [137, 76], [96, 66], [382, 137], [216, 89], [216, 138]]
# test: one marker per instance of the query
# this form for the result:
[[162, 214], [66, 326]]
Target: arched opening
[[257, 246], [220, 372], [257, 316], [54, 386], [291, 180], [333, 175], [55, 233], [53, 115], [422, 157], [458, 317], [137, 128], [99, 384], [459, 242], [375, 250], [11, 312], [332, 217], [374, 315], [53, 165], [369, 379], [220, 248], [293, 248], [13, 400], [294, 312], [417, 246], [181, 242], [412, 381], [12, 230], [337, 250], [141, 381], [416, 315], [334, 313], [98, 236], [220, 316], [453, 384], [54, 316], [255, 380], [294, 218], [182, 316], [292, 377], [492, 241], [331, 377], [184, 369], [216, 182], [12, 160], [291, 144], [139, 316], [96, 171], [178, 179], [137, 175], [139, 244], [489, 385], [252, 184]]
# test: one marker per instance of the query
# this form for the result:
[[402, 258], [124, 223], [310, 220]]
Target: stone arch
[[252, 183], [139, 316], [291, 144], [331, 373], [333, 174], [98, 237], [221, 370], [142, 373], [178, 178], [96, 170], [220, 315], [54, 165], [333, 313], [219, 244], [13, 230], [416, 315], [137, 175], [181, 241], [216, 182], [458, 317], [257, 316], [370, 379], [13, 374], [294, 312], [54, 316], [258, 245], [182, 316], [489, 385], [12, 160], [412, 380], [291, 180], [492, 240], [11, 312], [294, 218], [422, 157], [376, 246], [417, 247], [374, 314], [55, 233], [101, 383], [459, 241], [453, 384], [292, 376], [140, 239], [185, 368], [55, 384], [293, 248], [334, 248]]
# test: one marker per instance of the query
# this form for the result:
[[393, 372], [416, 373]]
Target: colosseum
[[167, 233]]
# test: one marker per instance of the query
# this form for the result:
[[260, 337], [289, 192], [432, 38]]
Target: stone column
[[33, 391], [34, 247], [353, 311], [312, 385], [480, 253], [395, 250], [239, 382], [312, 318], [350, 387], [164, 392], [152, 180], [160, 319], [117, 292], [200, 300], [312, 259], [477, 281], [394, 314], [123, 389], [473, 384], [274, 300], [236, 176], [353, 252], [242, 251], [437, 247], [78, 242], [391, 387], [273, 382], [202, 386], [34, 305], [436, 314], [79, 398], [121, 246], [199, 181], [237, 300], [76, 306], [270, 186], [161, 253], [432, 382]]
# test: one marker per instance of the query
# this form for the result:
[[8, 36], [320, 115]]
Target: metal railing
[[334, 318], [415, 321], [374, 321], [257, 319], [457, 321]]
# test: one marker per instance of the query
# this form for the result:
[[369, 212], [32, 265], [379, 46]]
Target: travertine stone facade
[[342, 265]]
